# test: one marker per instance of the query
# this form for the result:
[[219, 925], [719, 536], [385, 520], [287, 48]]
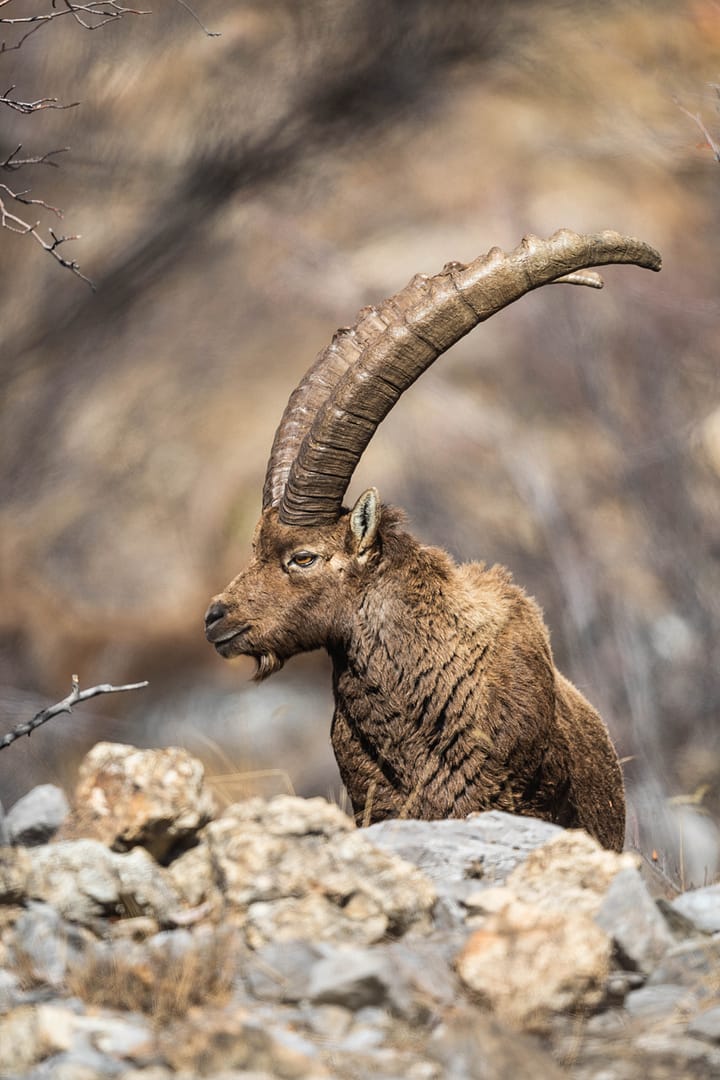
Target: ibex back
[[447, 699]]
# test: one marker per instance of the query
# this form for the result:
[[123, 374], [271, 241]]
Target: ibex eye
[[303, 559]]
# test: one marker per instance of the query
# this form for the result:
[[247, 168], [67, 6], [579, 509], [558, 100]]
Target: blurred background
[[241, 196]]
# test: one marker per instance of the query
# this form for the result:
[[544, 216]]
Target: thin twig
[[12, 162], [193, 14], [697, 119], [16, 224], [27, 107], [75, 696]]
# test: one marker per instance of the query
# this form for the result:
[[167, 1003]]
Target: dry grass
[[161, 983]]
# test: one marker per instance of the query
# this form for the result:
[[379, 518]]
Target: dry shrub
[[161, 980]]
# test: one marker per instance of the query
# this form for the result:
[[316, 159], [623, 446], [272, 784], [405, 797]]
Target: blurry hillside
[[239, 198]]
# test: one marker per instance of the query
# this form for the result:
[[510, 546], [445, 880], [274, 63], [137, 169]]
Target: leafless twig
[[16, 224], [697, 119], [13, 162], [28, 107], [193, 14], [90, 16], [65, 706]]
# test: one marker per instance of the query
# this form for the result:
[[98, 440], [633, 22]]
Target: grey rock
[[85, 881], [707, 1025], [681, 1057], [9, 986], [461, 857], [701, 907], [47, 942], [472, 1046], [693, 964], [281, 972], [4, 835], [660, 1001], [37, 816], [629, 915], [352, 978], [409, 981]]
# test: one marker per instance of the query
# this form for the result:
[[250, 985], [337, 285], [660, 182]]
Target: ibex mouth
[[229, 644]]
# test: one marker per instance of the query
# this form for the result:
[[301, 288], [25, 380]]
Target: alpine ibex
[[447, 699]]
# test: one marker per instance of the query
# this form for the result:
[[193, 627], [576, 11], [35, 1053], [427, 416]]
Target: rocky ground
[[146, 934]]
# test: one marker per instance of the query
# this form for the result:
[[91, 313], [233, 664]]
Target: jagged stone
[[4, 835], [471, 1046], [298, 869], [234, 1041], [701, 907], [46, 943], [527, 963], [84, 881], [707, 1025], [15, 868], [462, 857], [153, 798], [37, 816], [288, 943], [627, 913]]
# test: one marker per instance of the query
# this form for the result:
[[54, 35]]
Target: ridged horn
[[353, 384]]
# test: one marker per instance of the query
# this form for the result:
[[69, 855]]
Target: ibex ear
[[364, 520]]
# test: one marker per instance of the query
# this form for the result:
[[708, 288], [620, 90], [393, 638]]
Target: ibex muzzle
[[447, 699]]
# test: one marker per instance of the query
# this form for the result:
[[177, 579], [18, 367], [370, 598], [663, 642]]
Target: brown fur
[[447, 700]]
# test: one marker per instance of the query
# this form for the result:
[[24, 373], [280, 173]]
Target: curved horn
[[405, 335]]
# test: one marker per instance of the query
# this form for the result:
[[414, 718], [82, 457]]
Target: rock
[[4, 835], [287, 943], [15, 867], [85, 881], [281, 972], [394, 977], [660, 1001], [461, 857], [27, 1036], [37, 816], [527, 963], [232, 1040], [701, 907], [707, 1025], [47, 943], [154, 798], [298, 869], [693, 964], [471, 1046], [627, 913], [571, 870]]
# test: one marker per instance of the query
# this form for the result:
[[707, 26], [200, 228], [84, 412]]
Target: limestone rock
[[84, 881], [462, 856], [15, 865], [528, 963], [37, 816], [701, 907], [298, 869], [153, 798], [641, 934]]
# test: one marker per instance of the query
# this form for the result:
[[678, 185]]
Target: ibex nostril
[[214, 613]]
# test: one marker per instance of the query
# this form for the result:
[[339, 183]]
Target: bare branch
[[90, 16], [11, 162], [27, 107], [193, 14], [15, 224], [75, 696], [697, 119]]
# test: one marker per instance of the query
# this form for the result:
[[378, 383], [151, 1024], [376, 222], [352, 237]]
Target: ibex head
[[294, 594], [310, 555]]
